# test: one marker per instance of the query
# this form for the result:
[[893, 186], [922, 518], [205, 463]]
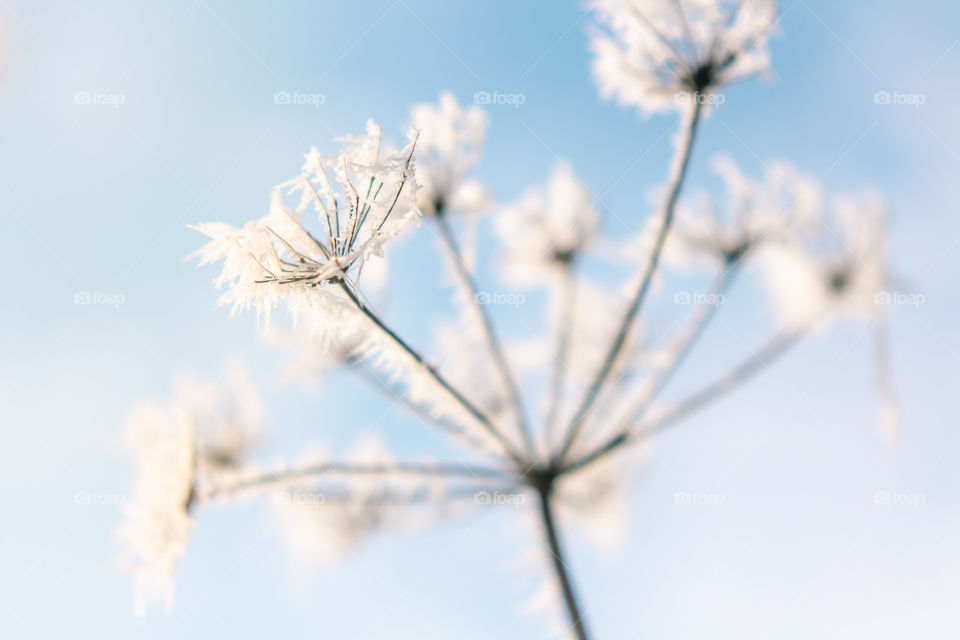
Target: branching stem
[[285, 476], [684, 342], [757, 361], [678, 173], [479, 415], [568, 306], [489, 331], [559, 565]]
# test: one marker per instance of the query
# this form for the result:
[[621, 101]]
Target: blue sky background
[[95, 198]]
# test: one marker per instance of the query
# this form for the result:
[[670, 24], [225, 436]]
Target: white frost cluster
[[545, 231], [276, 258], [657, 54], [779, 208], [818, 258], [450, 144], [837, 268], [203, 428]]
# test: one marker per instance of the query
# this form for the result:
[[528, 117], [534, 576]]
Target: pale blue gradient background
[[96, 199]]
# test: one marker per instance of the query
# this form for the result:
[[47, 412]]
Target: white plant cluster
[[818, 258]]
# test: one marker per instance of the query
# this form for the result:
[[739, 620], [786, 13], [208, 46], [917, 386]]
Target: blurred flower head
[[204, 429], [837, 268], [779, 207], [658, 54], [546, 230], [450, 144]]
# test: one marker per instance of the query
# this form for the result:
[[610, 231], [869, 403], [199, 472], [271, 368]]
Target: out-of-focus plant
[[818, 257]]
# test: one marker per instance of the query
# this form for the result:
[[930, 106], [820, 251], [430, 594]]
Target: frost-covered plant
[[661, 54], [819, 258]]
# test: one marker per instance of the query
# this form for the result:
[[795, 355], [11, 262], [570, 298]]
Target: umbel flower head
[[837, 268], [371, 198], [451, 140], [544, 231], [659, 54], [777, 209], [203, 432]]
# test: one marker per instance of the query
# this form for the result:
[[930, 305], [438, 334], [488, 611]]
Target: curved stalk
[[480, 416], [773, 349], [568, 306], [489, 332], [683, 344], [345, 469], [560, 568], [677, 174], [393, 391]]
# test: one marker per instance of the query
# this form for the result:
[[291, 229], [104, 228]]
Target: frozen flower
[[157, 522], [449, 147], [544, 232], [775, 209], [204, 428], [658, 54], [374, 199], [275, 259], [838, 269]]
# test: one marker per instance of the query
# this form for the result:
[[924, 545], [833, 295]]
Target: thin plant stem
[[559, 566], [678, 173], [479, 415], [424, 495], [884, 380], [345, 469], [489, 331], [684, 342], [757, 361], [568, 304], [422, 413]]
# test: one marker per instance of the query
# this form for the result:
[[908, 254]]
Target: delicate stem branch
[[678, 173], [890, 411], [435, 375], [422, 413], [345, 469], [421, 496], [683, 343], [489, 331], [560, 568], [568, 305], [755, 363], [739, 374]]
